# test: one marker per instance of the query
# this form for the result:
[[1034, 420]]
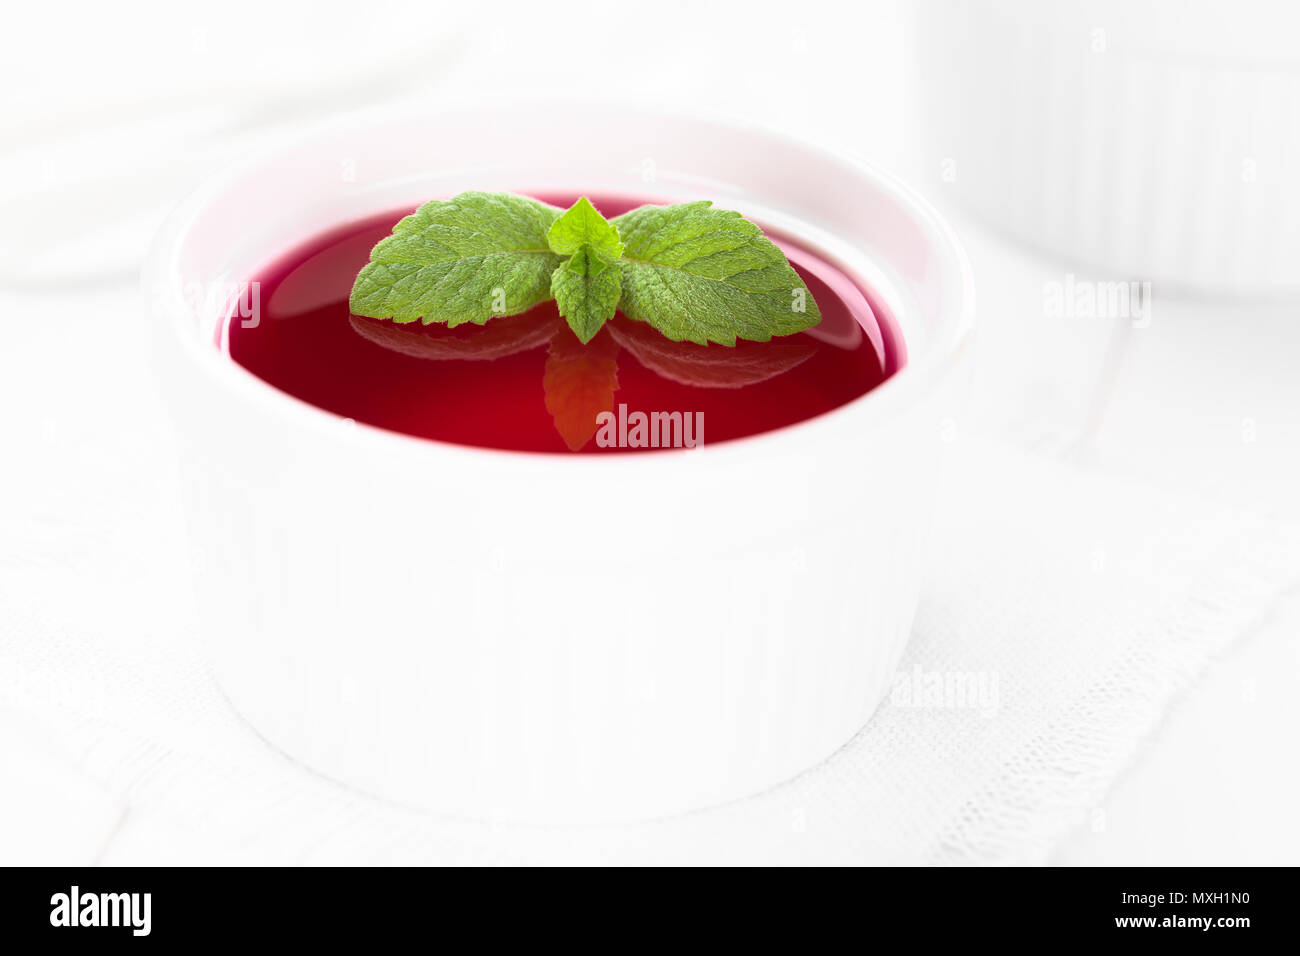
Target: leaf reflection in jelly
[[579, 383], [710, 366], [497, 339]]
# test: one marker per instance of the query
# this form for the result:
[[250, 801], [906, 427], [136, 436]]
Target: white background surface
[[153, 98]]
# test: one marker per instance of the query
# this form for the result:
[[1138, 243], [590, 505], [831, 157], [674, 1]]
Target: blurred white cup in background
[[1140, 139]]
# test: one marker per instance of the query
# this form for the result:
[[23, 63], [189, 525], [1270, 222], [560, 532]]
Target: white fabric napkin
[[1062, 612]]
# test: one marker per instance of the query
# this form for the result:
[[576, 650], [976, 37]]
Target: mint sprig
[[692, 272]]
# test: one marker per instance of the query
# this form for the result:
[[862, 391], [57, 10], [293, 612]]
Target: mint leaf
[[703, 275], [586, 287], [581, 225], [458, 260]]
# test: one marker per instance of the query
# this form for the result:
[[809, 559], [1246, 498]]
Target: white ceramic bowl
[[545, 637], [1150, 140]]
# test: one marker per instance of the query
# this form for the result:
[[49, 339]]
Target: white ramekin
[[543, 637], [1152, 140]]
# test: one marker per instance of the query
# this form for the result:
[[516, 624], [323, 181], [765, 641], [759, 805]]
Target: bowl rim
[[925, 372]]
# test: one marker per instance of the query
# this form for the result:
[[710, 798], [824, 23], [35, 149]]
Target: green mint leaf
[[700, 274], [458, 260], [586, 287], [581, 225]]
